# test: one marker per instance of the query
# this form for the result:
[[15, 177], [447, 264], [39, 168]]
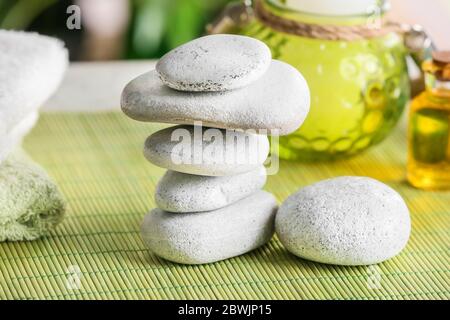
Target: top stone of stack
[[223, 81], [215, 63]]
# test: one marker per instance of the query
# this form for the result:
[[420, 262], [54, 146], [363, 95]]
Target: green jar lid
[[338, 7]]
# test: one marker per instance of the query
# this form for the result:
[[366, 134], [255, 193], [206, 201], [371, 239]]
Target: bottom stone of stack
[[206, 237]]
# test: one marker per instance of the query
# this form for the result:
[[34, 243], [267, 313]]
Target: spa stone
[[215, 63], [206, 151], [180, 192], [344, 221], [278, 102], [198, 238]]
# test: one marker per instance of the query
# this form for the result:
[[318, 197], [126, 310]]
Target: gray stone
[[180, 192], [206, 151], [344, 221], [279, 101], [198, 238], [215, 63]]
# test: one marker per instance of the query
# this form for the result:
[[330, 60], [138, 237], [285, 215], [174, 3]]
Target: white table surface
[[95, 86]]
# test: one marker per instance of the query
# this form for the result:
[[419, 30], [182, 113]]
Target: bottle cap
[[339, 7], [441, 59]]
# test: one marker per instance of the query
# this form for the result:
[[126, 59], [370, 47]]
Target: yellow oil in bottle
[[429, 128]]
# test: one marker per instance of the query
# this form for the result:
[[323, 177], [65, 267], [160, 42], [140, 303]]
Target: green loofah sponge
[[30, 203]]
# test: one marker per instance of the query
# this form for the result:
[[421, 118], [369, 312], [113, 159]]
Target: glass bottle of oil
[[429, 128]]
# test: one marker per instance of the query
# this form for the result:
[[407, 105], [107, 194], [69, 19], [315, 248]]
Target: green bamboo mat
[[96, 160]]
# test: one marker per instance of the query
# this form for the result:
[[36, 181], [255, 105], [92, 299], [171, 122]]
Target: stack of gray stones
[[227, 95]]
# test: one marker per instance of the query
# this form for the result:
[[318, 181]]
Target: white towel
[[14, 138], [31, 68]]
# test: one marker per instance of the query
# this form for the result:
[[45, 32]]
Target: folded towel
[[31, 68], [30, 203], [14, 138]]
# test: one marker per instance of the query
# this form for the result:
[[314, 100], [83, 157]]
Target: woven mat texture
[[97, 252]]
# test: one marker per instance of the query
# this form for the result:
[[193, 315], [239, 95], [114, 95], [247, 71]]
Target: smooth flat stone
[[31, 68], [215, 63], [205, 237], [206, 151], [278, 101], [344, 221], [181, 192]]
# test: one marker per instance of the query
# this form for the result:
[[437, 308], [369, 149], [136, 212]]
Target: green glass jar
[[359, 88]]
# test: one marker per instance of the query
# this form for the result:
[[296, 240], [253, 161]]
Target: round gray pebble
[[344, 221], [215, 63], [278, 102], [181, 192], [196, 150], [198, 238]]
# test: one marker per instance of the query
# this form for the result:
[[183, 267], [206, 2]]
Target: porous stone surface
[[206, 151], [180, 192], [278, 102], [198, 238], [215, 63], [344, 221]]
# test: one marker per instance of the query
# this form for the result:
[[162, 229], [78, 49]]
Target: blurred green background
[[114, 29], [146, 29]]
